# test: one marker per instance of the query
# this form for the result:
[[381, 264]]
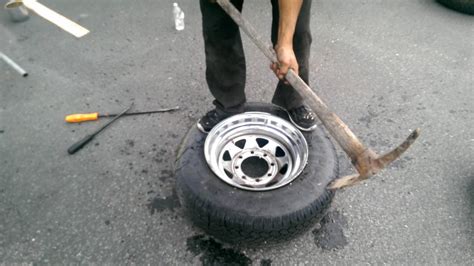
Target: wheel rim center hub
[[245, 175]]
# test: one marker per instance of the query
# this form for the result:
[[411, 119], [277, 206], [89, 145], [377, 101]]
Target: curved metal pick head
[[345, 181], [372, 166], [386, 159]]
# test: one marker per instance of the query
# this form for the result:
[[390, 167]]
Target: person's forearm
[[289, 11]]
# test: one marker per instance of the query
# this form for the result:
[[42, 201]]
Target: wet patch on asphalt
[[128, 147], [330, 236], [159, 204], [265, 262], [130, 142], [213, 253]]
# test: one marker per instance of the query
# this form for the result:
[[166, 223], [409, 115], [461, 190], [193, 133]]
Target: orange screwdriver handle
[[76, 118]]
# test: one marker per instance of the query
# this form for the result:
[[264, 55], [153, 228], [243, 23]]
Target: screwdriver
[[81, 143], [77, 118]]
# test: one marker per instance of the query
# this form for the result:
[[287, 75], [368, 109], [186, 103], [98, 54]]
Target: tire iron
[[78, 118], [81, 143]]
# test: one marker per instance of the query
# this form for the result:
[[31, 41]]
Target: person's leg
[[285, 96], [225, 61]]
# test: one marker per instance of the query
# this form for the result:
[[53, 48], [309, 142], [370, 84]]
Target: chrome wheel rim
[[256, 151]]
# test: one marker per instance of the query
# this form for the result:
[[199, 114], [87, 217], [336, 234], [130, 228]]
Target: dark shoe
[[303, 118], [209, 120]]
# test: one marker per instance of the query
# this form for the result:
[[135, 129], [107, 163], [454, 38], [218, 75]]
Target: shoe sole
[[300, 127], [200, 127]]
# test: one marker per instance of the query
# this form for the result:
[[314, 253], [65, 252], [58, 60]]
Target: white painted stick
[[56, 18]]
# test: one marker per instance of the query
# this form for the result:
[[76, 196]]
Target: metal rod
[[143, 113], [14, 65]]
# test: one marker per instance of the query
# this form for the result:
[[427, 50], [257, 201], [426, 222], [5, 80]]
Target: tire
[[464, 6], [244, 217]]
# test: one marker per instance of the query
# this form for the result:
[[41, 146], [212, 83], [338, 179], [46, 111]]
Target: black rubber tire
[[243, 217], [464, 6]]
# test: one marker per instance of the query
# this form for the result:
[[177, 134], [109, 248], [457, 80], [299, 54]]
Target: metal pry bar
[[14, 65]]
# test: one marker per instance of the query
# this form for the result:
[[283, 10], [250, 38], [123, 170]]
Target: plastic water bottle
[[178, 17]]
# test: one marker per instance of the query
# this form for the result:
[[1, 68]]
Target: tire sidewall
[[210, 200]]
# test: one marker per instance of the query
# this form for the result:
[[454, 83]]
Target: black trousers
[[225, 60]]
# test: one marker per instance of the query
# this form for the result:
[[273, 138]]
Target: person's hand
[[287, 60]]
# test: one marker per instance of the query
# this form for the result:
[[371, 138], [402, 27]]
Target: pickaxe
[[366, 161]]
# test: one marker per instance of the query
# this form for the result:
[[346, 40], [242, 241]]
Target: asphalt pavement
[[386, 67]]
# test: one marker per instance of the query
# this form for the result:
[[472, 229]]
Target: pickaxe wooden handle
[[365, 160]]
